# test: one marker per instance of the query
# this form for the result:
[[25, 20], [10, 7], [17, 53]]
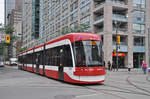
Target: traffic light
[[118, 39], [115, 51], [7, 38]]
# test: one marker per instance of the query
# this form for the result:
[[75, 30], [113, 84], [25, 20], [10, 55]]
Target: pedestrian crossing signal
[[7, 39]]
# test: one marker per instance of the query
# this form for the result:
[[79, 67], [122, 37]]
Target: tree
[[76, 28], [1, 42], [22, 49], [9, 30]]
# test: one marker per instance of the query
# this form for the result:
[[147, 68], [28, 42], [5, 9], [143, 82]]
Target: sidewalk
[[133, 70]]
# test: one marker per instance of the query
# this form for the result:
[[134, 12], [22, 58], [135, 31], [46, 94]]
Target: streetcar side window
[[20, 59], [67, 58], [41, 57], [55, 57], [38, 57]]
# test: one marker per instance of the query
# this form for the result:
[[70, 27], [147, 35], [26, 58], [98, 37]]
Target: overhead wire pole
[[149, 44], [117, 43]]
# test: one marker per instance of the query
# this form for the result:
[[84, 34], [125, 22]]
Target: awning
[[119, 54]]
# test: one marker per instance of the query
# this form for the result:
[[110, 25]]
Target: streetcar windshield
[[88, 53]]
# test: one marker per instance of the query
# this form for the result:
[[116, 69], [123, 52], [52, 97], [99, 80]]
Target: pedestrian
[[109, 65], [113, 66], [144, 67], [104, 63], [129, 67]]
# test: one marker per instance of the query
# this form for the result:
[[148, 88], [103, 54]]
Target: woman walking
[[129, 67], [144, 67]]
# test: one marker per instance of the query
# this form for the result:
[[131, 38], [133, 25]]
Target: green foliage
[[1, 49], [22, 49], [76, 28], [9, 29]]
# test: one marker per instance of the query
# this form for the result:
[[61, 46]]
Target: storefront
[[137, 59], [121, 59]]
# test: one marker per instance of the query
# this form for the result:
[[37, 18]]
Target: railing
[[120, 17], [99, 30], [98, 4], [99, 18], [138, 31], [120, 29], [117, 1]]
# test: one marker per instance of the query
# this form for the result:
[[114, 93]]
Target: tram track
[[104, 92], [122, 89], [137, 87], [147, 79]]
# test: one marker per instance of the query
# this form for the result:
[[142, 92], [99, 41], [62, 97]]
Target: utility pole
[[117, 43], [149, 44]]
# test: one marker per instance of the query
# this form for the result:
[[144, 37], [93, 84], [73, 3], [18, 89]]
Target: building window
[[139, 28], [139, 17], [74, 6], [85, 10], [74, 16], [139, 41], [139, 3], [85, 20]]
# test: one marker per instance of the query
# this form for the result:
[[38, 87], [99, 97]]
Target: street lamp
[[149, 43], [117, 24]]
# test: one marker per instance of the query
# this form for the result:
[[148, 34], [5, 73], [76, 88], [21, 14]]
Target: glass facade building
[[35, 18]]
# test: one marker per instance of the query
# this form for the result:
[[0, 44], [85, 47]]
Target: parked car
[[13, 61], [1, 64]]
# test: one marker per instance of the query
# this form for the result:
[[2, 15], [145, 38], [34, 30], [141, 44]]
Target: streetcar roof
[[76, 37], [73, 37]]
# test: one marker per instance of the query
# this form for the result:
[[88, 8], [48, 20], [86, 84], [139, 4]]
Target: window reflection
[[88, 53]]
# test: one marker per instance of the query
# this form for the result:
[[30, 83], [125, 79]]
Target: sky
[[2, 11]]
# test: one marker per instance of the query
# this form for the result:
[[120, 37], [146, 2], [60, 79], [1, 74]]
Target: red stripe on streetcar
[[89, 71], [51, 73], [69, 79]]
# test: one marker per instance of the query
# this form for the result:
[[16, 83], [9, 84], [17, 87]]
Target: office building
[[9, 5], [127, 18], [30, 23]]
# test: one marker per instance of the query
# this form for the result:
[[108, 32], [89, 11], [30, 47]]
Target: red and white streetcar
[[75, 58]]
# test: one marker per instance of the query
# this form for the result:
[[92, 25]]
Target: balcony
[[120, 29], [98, 2], [138, 31], [99, 30], [119, 17], [118, 2], [98, 20]]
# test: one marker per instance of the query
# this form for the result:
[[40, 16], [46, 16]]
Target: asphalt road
[[18, 84]]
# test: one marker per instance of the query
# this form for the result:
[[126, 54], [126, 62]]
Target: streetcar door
[[37, 63], [61, 67]]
